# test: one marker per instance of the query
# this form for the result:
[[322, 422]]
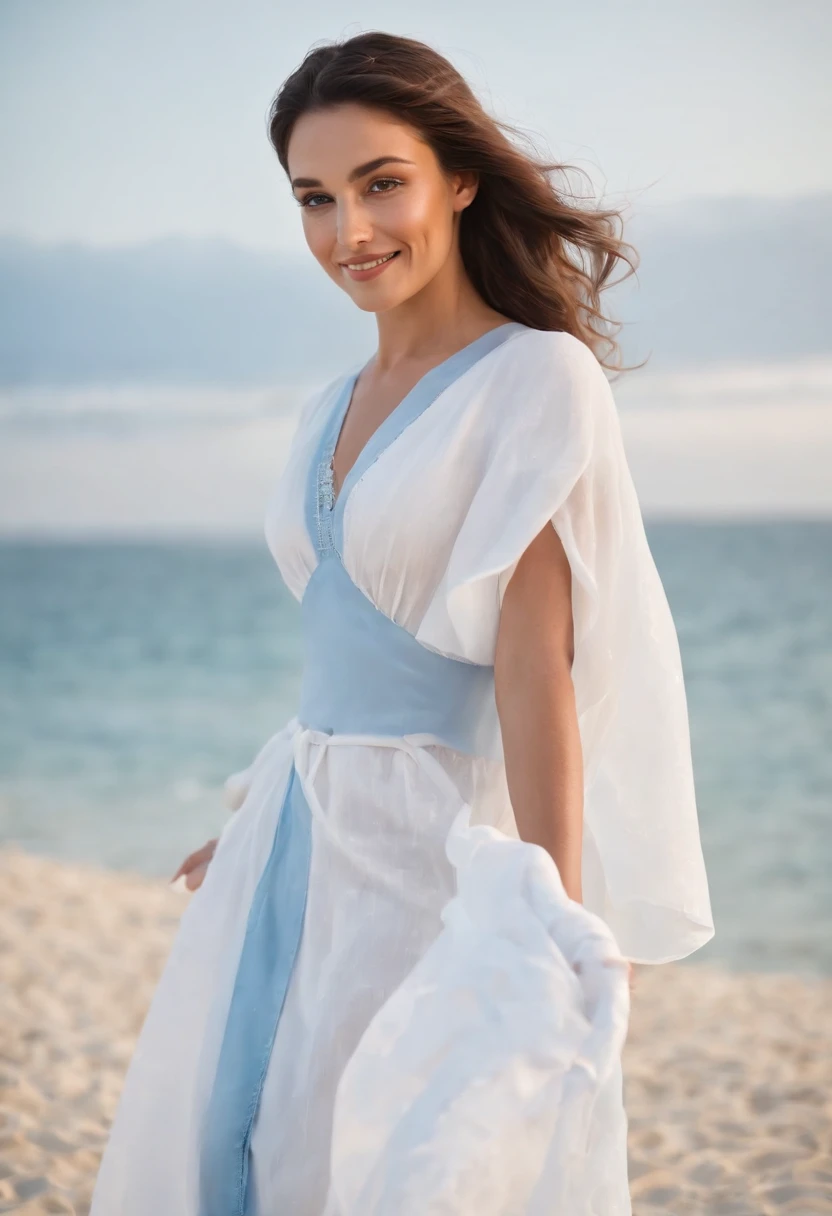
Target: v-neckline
[[429, 385]]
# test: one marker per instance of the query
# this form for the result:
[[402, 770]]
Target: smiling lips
[[370, 268]]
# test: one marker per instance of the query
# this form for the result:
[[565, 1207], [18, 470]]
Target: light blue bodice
[[364, 673]]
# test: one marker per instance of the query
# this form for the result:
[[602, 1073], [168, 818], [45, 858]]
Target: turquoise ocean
[[135, 676]]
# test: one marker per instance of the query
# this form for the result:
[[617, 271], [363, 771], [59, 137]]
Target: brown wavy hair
[[532, 251]]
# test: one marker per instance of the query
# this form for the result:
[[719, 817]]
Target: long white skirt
[[451, 1035]]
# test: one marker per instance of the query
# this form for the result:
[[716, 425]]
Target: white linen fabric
[[438, 1052]]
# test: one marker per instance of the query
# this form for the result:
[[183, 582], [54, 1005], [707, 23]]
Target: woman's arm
[[536, 705]]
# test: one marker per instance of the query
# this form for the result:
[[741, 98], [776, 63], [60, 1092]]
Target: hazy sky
[[123, 122]]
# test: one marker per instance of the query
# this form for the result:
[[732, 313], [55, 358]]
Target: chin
[[377, 301]]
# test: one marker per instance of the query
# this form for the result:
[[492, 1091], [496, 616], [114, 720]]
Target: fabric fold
[[494, 1066], [559, 458]]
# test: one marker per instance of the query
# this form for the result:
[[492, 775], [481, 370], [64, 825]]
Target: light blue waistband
[[365, 674]]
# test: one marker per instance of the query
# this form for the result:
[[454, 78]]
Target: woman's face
[[369, 187]]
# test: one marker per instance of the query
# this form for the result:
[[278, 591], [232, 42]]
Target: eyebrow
[[360, 171]]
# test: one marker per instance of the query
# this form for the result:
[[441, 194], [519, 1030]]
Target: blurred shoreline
[[728, 1077]]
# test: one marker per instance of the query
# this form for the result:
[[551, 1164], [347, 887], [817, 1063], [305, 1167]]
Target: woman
[[399, 987]]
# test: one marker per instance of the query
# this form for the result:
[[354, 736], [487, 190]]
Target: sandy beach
[[729, 1077]]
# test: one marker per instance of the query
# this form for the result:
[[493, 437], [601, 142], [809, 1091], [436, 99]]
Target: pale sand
[[729, 1078]]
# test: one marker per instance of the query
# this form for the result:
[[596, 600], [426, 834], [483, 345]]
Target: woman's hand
[[195, 866]]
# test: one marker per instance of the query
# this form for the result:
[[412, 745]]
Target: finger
[[188, 864], [195, 877], [207, 851], [195, 858], [202, 856]]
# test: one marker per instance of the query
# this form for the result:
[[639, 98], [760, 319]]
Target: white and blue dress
[[380, 1002]]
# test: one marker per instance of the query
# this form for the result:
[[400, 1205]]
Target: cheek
[[319, 236], [420, 217]]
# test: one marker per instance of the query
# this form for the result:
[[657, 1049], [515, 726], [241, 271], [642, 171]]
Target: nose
[[353, 228]]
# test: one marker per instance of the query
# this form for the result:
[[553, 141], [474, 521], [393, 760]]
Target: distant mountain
[[719, 278]]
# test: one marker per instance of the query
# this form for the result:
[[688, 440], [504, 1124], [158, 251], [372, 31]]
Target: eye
[[306, 201], [387, 182]]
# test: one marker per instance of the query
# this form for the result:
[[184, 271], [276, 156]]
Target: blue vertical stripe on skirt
[[270, 946]]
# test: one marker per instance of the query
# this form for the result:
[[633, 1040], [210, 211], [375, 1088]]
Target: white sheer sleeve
[[556, 453]]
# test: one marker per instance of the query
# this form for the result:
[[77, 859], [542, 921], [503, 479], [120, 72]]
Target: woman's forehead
[[339, 139]]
